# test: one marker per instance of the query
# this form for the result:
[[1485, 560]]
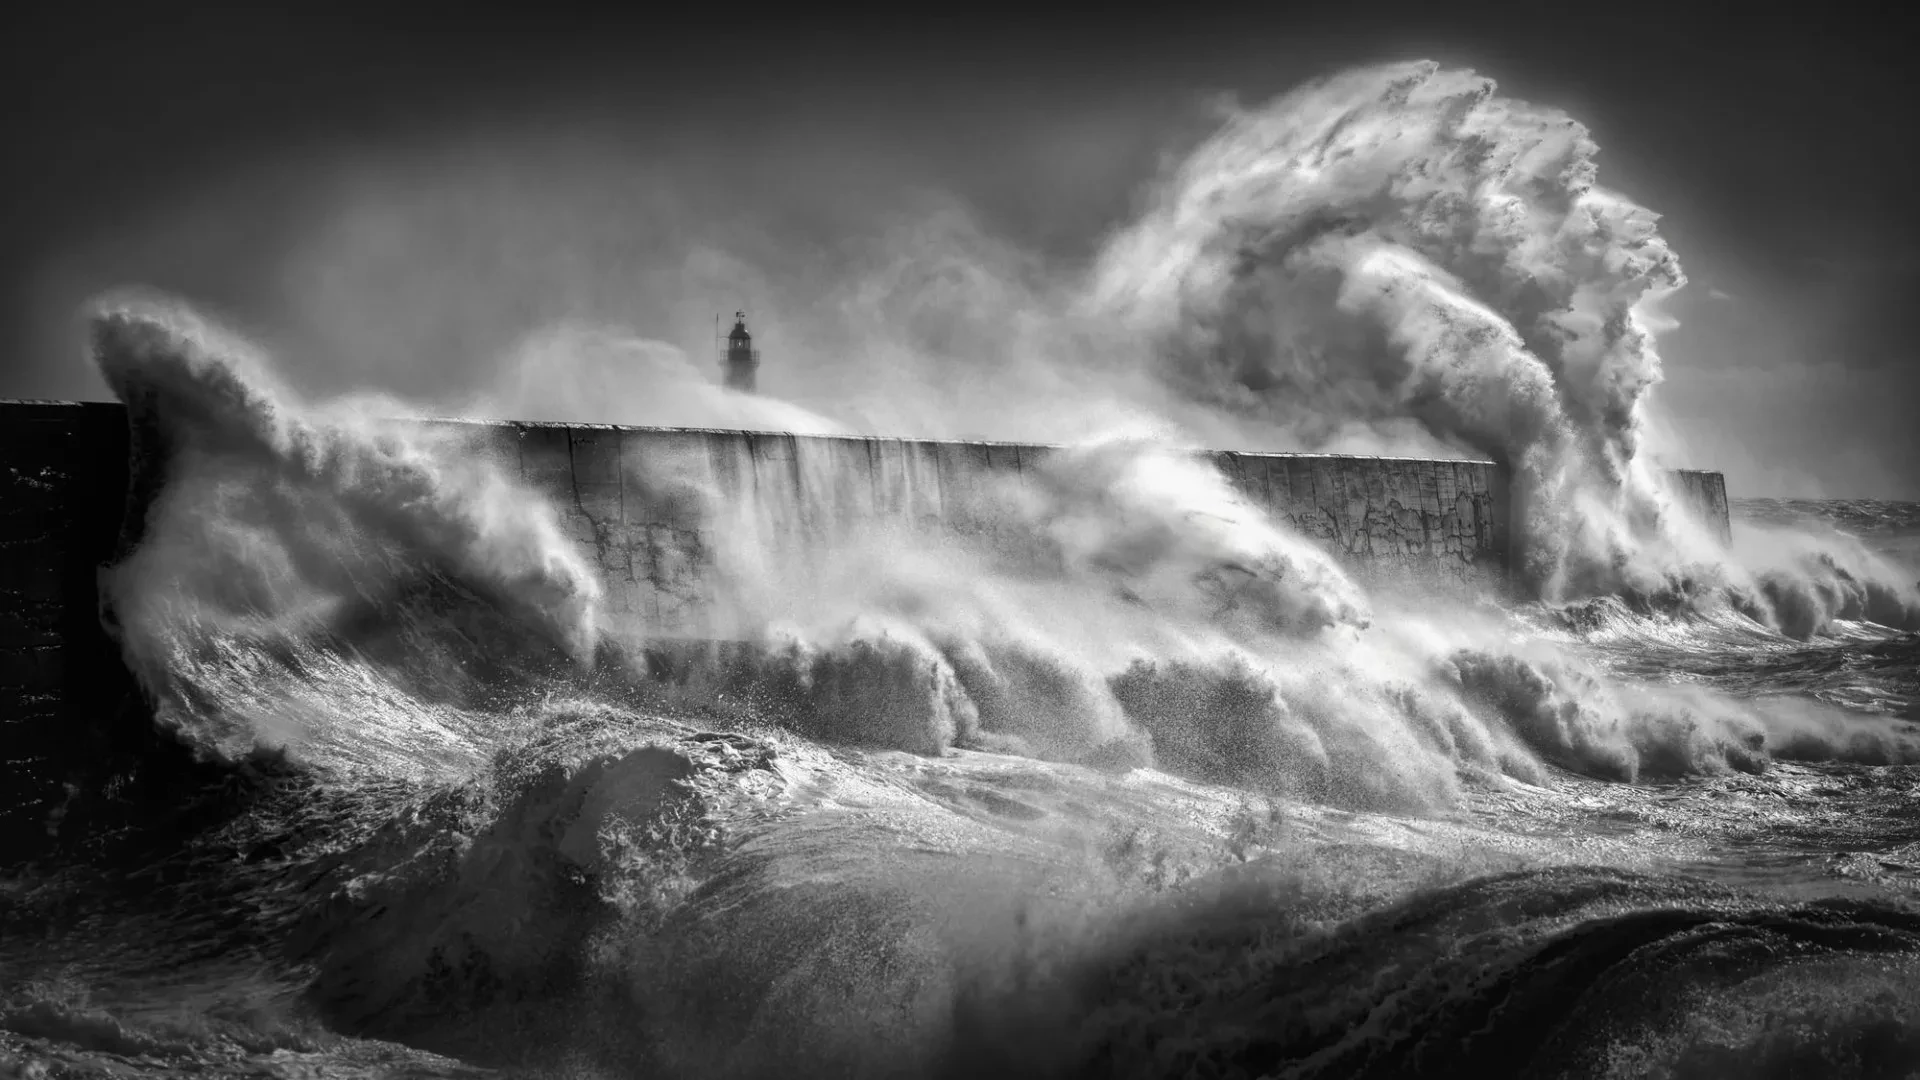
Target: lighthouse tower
[[743, 360]]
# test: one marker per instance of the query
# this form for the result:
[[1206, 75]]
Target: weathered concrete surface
[[71, 717], [1388, 518], [1706, 494], [622, 493]]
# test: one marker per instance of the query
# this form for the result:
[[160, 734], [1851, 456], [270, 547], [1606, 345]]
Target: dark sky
[[196, 151]]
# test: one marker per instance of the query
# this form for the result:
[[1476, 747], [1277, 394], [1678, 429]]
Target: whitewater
[[1042, 806]]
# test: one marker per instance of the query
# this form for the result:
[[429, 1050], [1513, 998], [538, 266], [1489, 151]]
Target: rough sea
[[408, 807]]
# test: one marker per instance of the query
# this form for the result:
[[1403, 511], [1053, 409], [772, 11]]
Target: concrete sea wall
[[619, 494], [72, 718]]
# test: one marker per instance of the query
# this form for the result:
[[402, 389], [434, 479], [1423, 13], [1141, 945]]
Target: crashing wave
[[1401, 242], [289, 547]]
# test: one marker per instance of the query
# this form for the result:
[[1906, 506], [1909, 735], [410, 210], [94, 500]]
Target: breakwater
[[620, 494], [75, 481]]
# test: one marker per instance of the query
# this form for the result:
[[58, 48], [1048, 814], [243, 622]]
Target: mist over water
[[1397, 259]]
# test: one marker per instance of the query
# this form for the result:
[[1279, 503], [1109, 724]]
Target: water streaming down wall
[[68, 492], [1388, 519]]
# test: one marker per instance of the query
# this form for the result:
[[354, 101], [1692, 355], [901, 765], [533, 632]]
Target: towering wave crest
[[1401, 242]]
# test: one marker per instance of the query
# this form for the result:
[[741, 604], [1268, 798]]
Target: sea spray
[[1400, 241], [1170, 532], [1107, 552], [586, 372], [1802, 581], [1119, 601], [1109, 606], [289, 544], [1403, 243], [1392, 244]]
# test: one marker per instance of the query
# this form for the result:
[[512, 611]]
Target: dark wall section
[[60, 676], [82, 763], [71, 716], [1706, 493]]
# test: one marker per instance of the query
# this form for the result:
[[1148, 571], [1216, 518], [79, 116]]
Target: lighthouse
[[743, 360]]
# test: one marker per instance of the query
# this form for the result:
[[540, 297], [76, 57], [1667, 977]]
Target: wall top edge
[[9, 403]]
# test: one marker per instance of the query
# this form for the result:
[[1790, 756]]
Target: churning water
[[1159, 789]]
